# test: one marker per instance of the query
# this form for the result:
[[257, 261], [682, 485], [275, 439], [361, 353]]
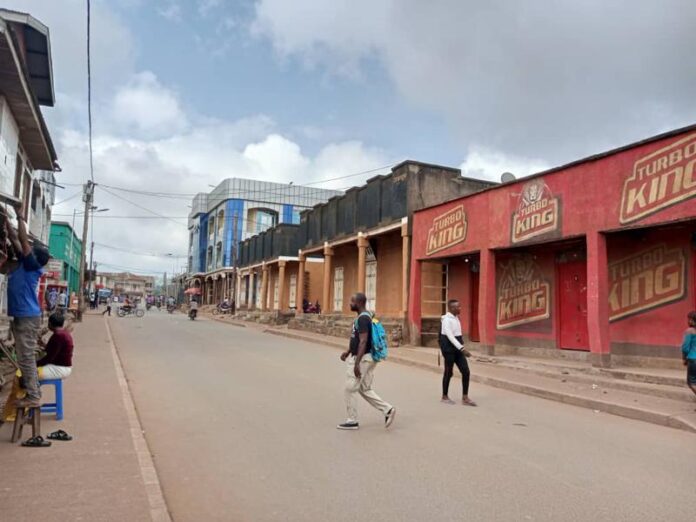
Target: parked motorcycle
[[220, 309], [192, 314], [123, 312]]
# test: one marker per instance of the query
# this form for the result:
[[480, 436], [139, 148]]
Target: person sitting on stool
[[57, 363]]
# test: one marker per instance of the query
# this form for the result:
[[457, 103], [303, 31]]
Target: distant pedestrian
[[689, 352], [360, 368], [108, 307], [453, 352], [62, 301]]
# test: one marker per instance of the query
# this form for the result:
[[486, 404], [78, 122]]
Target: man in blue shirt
[[23, 305], [689, 351]]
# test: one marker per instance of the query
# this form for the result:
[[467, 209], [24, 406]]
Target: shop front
[[593, 260]]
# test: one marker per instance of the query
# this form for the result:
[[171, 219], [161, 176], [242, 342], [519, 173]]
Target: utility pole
[[164, 284], [87, 198]]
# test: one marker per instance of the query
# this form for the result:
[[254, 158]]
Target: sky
[[189, 92]]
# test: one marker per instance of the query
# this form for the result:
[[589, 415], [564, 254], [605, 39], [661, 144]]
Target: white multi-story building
[[27, 155]]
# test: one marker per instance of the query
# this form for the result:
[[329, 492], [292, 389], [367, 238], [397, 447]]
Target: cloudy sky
[[188, 92]]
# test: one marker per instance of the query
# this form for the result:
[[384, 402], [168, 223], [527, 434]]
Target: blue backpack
[[378, 336]]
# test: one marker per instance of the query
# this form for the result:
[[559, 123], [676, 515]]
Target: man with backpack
[[367, 347]]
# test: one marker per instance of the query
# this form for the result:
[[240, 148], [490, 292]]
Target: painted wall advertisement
[[524, 295], [537, 214], [448, 229], [646, 280]]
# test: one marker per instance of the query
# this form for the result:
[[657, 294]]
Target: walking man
[[108, 307], [360, 368], [453, 352]]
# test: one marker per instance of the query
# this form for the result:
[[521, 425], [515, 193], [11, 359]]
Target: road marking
[[153, 489]]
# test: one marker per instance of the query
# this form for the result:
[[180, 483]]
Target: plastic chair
[[54, 407]]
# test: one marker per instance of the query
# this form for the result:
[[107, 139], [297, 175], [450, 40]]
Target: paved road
[[242, 427]]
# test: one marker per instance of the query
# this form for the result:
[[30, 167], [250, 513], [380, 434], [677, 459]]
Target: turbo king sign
[[448, 229], [523, 295], [646, 280], [659, 180], [536, 214]]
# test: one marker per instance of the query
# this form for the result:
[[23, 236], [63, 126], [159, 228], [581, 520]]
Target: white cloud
[[144, 107], [558, 80], [171, 11], [206, 6], [484, 163]]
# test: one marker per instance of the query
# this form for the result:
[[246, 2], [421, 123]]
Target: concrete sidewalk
[[105, 473], [656, 403]]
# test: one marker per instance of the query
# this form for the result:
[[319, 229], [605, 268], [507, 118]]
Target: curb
[[653, 417], [148, 472]]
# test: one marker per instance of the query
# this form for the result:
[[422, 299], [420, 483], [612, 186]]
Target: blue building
[[232, 212]]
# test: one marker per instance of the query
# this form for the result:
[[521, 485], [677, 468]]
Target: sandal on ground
[[59, 435], [36, 442], [468, 402]]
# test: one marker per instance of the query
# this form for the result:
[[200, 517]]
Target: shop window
[[260, 219], [338, 289], [371, 285], [218, 254], [210, 258], [292, 301], [276, 293]]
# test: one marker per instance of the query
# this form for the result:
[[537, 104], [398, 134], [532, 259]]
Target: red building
[[594, 259]]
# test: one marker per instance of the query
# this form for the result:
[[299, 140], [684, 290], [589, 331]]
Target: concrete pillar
[[300, 284], [414, 304], [362, 251], [238, 289], [405, 261], [264, 288], [487, 301], [326, 291], [282, 301], [598, 299]]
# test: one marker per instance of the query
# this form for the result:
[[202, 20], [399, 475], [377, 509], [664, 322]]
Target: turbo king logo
[[659, 180], [523, 295], [646, 280], [448, 229], [536, 214]]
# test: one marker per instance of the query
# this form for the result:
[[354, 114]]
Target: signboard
[[447, 230], [537, 212], [646, 280], [524, 296], [660, 180]]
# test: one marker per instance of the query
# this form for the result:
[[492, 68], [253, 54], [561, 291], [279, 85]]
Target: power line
[[141, 207], [68, 199], [148, 254], [89, 90]]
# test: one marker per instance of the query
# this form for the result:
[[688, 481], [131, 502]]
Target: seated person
[[127, 304], [57, 363]]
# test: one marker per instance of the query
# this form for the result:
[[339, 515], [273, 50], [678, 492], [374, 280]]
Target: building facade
[[27, 155], [594, 260], [65, 246], [125, 284], [356, 242], [234, 211]]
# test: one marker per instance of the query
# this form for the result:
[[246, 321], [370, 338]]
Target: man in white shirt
[[453, 352]]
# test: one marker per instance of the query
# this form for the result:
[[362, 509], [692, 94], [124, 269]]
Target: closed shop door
[[474, 328], [338, 289], [371, 285], [292, 298], [572, 305]]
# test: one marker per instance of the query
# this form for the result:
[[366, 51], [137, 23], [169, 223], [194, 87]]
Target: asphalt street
[[242, 427]]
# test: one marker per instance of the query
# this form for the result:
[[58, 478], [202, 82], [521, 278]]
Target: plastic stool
[[57, 406], [26, 416]]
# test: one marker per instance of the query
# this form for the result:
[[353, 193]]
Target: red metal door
[[474, 305], [572, 305]]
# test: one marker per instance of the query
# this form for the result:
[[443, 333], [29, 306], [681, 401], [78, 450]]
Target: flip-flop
[[469, 403], [447, 401], [59, 435], [36, 442]]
